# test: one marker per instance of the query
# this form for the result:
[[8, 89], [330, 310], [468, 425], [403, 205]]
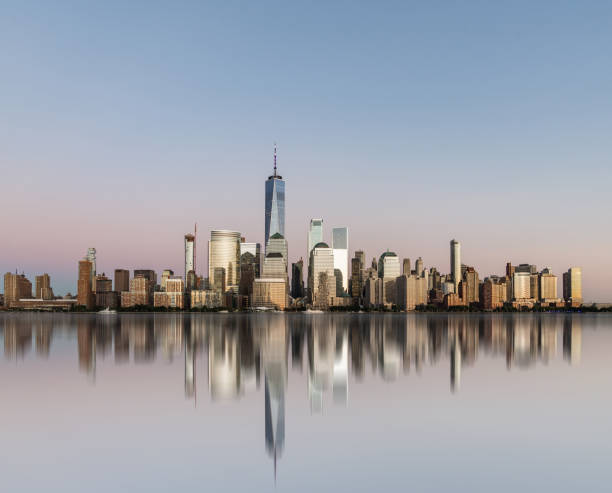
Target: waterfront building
[[224, 252], [85, 285], [470, 286], [105, 296], [534, 286], [572, 286], [103, 284], [219, 280], [206, 298], [492, 294], [340, 245], [16, 287], [321, 278], [43, 287], [548, 287], [315, 234], [248, 271], [521, 285], [297, 279], [173, 296], [270, 293], [275, 204], [411, 291], [455, 263], [122, 280], [91, 256], [140, 293]]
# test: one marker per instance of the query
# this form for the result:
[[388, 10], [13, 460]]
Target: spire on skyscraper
[[275, 159]]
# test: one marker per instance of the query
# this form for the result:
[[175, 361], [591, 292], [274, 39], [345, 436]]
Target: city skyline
[[445, 122]]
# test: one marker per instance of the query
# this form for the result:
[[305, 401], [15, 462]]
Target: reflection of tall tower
[[223, 363], [455, 363], [275, 370], [572, 339], [189, 360], [340, 378], [275, 205]]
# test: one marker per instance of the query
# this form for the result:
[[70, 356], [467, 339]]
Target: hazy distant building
[[122, 280], [411, 291], [340, 245], [315, 234], [224, 252], [406, 266], [275, 205], [572, 285], [455, 262], [418, 267]]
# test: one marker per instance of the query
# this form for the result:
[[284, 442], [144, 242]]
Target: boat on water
[[107, 311]]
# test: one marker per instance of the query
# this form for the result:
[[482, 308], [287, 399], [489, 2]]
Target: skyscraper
[[321, 277], [85, 296], [572, 285], [224, 252], [455, 262], [315, 234], [340, 248], [297, 279], [275, 204], [189, 254]]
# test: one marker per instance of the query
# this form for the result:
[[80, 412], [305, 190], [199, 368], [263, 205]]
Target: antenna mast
[[274, 158]]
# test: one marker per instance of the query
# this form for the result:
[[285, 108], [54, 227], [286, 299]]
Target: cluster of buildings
[[249, 275]]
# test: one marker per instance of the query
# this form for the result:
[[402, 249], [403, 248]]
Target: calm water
[[302, 402]]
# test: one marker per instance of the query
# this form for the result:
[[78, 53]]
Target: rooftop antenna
[[274, 158], [195, 249]]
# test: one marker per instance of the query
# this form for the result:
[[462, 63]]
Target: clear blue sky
[[411, 123]]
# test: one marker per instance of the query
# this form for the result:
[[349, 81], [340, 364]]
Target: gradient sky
[[123, 123]]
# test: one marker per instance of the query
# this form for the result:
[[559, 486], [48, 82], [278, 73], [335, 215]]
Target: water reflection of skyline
[[235, 353]]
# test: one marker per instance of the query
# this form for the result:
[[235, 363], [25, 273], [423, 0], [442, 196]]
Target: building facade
[[340, 246], [224, 252], [275, 204]]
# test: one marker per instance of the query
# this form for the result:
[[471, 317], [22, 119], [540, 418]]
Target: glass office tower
[[275, 204], [224, 252]]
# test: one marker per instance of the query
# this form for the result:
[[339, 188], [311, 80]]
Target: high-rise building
[[278, 244], [122, 280], [572, 286], [166, 274], [91, 256], [248, 270], [189, 254], [357, 274], [455, 262], [315, 234], [340, 245], [274, 266], [43, 287], [174, 294], [255, 250], [321, 278], [275, 204], [492, 294], [297, 279], [548, 287], [418, 267], [470, 285], [521, 285], [224, 252], [148, 274], [140, 293], [388, 271], [85, 285], [270, 293], [16, 287], [406, 266]]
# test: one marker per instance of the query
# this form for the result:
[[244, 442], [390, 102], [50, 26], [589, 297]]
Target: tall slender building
[[315, 234], [91, 256], [275, 204], [340, 247], [189, 254], [455, 262]]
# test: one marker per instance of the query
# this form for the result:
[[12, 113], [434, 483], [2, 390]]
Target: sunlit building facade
[[224, 252]]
